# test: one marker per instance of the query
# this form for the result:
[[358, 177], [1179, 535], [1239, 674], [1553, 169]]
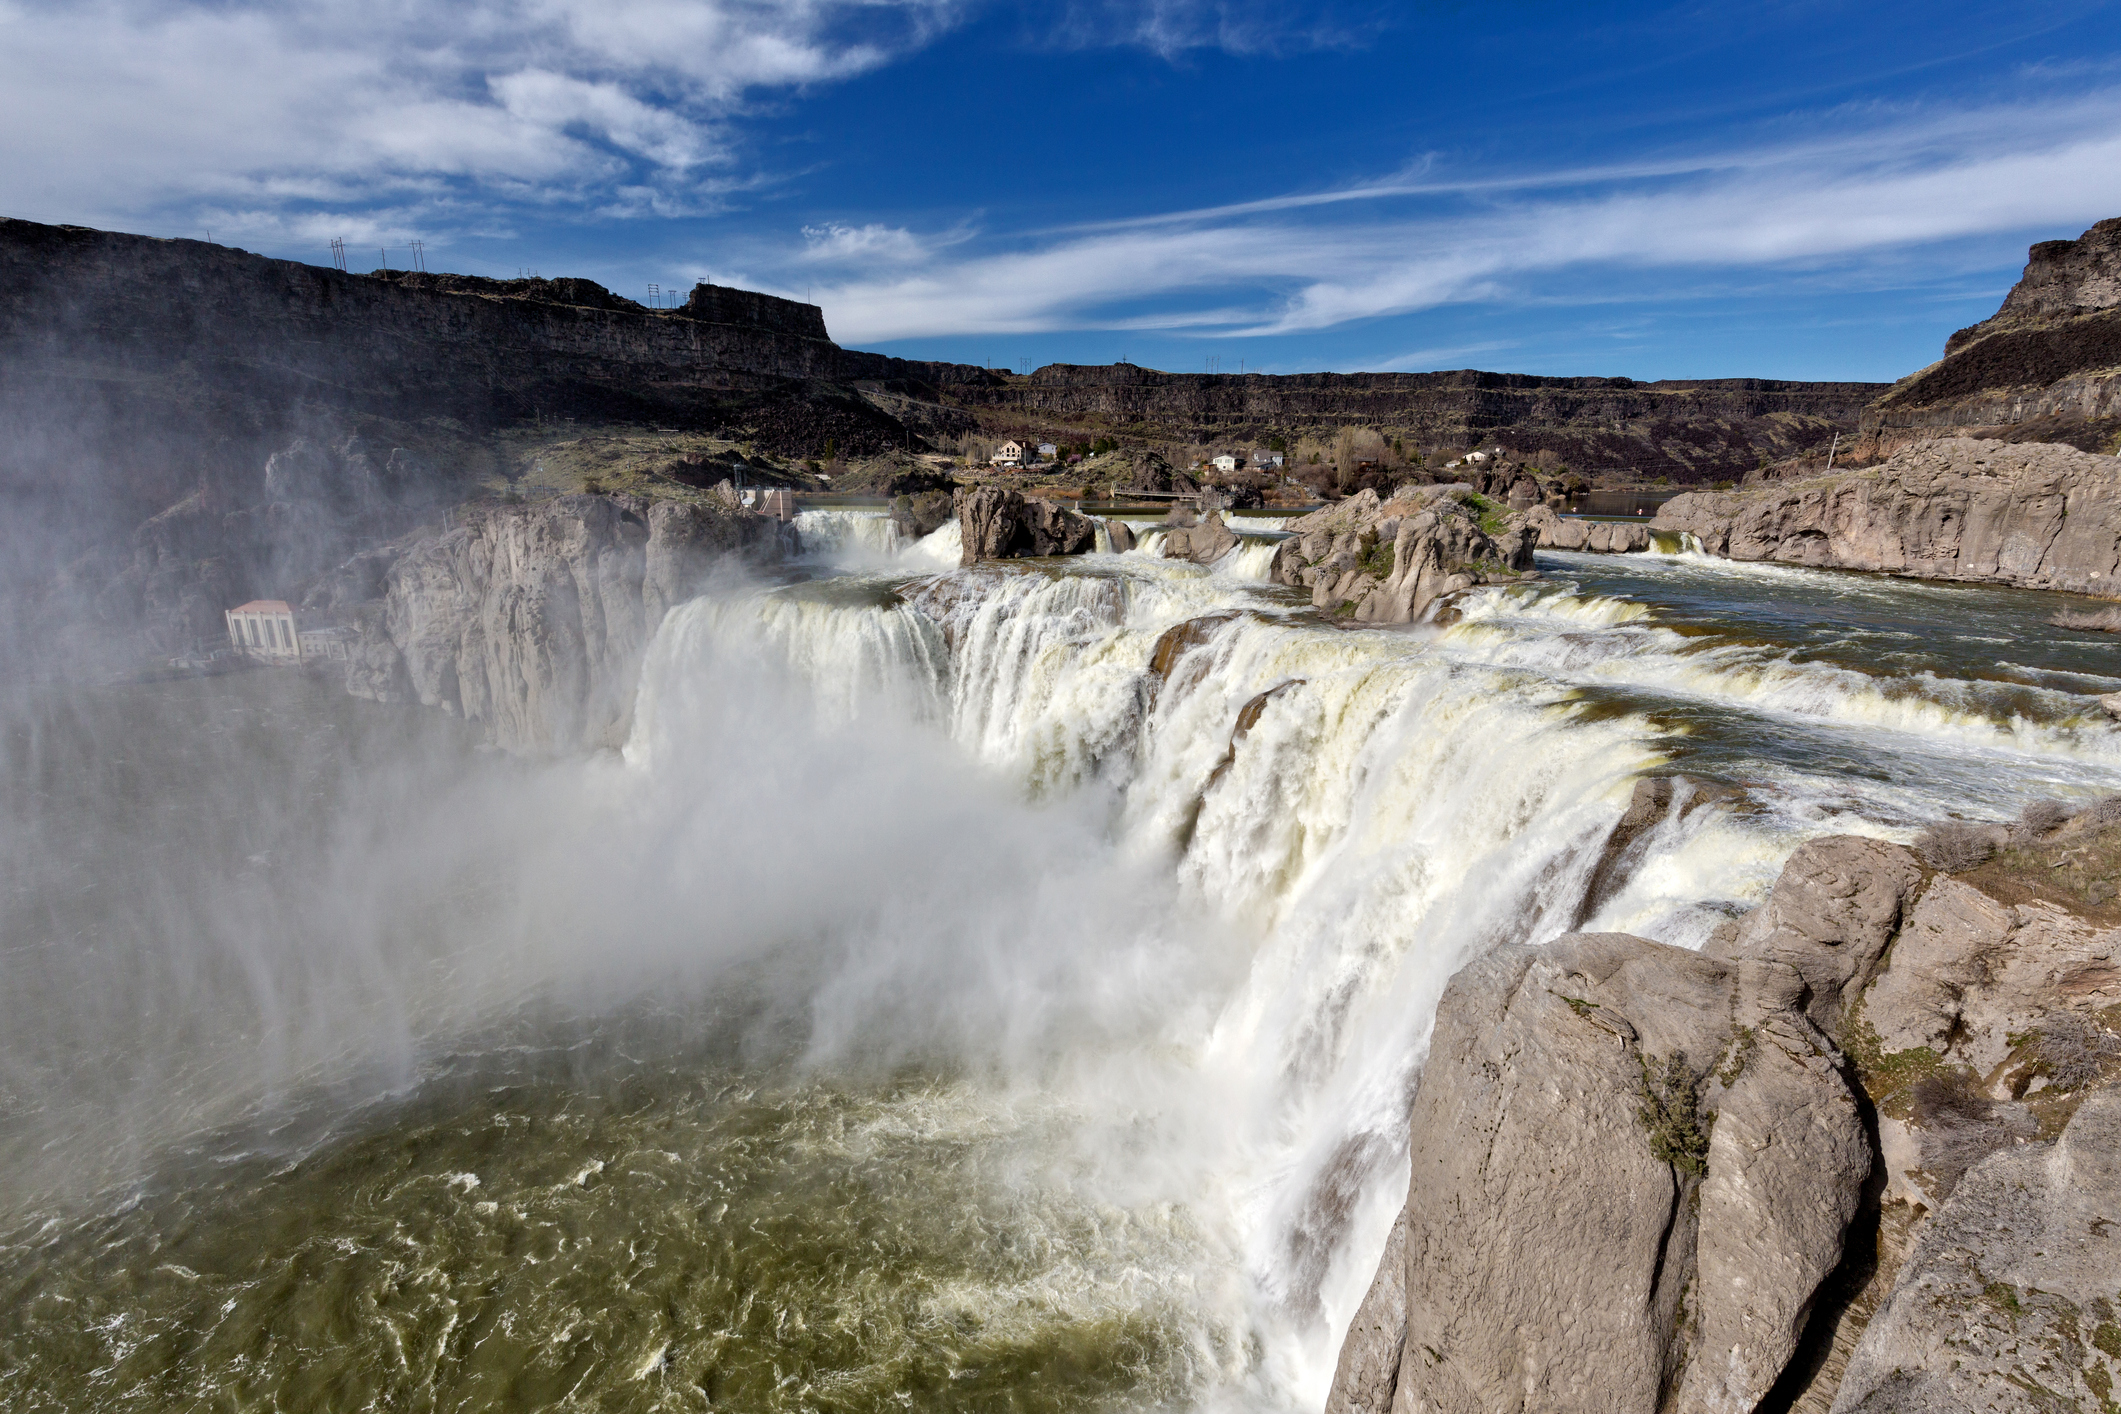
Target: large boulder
[[1000, 524], [1201, 539], [1632, 1168], [1389, 561]]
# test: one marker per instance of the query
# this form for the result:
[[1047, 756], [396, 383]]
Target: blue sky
[[1777, 190]]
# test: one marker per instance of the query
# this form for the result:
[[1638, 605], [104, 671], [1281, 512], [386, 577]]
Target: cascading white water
[[849, 537], [1401, 800]]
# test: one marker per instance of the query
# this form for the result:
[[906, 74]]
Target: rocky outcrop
[[2036, 515], [921, 515], [1632, 1168], [1000, 524], [1137, 469], [2095, 621], [1390, 561], [1853, 1177], [2011, 1296], [532, 621]]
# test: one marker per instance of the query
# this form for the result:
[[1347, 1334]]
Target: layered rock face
[[1390, 561], [2037, 515], [1645, 1179], [2048, 361], [1000, 524], [533, 621]]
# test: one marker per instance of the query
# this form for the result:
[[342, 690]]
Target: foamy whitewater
[[935, 1007], [1403, 800]]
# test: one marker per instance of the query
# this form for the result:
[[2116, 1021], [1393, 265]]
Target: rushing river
[[930, 1008]]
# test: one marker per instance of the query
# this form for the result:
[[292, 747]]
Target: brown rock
[[1000, 524]]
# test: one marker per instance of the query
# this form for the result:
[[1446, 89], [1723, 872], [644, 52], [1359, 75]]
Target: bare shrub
[[1954, 845], [2075, 1050], [1961, 1126], [2041, 818], [1949, 1097], [2106, 810]]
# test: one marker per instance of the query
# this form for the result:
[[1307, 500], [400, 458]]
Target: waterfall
[[849, 538], [1356, 813]]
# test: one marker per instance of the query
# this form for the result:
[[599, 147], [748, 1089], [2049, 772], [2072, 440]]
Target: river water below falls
[[931, 1008]]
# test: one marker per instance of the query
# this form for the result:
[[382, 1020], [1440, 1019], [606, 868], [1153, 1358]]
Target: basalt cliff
[[2045, 367], [137, 344]]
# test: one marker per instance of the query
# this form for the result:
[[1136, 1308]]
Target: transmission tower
[[338, 253]]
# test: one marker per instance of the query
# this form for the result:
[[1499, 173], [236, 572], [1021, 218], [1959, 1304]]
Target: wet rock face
[[1578, 1235], [2036, 515], [1000, 524], [1388, 561], [533, 621]]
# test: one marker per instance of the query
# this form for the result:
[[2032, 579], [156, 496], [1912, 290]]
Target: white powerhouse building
[[266, 629]]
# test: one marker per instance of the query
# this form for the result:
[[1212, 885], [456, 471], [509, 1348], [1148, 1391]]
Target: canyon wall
[[161, 335], [532, 621], [1690, 430]]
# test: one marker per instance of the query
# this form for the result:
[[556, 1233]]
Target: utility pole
[[419, 256], [338, 253]]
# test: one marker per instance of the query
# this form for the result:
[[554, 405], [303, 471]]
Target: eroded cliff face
[[1863, 1150], [533, 621], [1690, 430], [2036, 515]]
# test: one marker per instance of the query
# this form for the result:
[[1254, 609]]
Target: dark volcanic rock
[[2044, 359]]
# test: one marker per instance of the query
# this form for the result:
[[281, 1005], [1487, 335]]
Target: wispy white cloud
[[1276, 265], [1173, 28], [117, 107]]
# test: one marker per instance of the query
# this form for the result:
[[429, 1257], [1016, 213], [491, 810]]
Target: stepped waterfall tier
[[989, 987]]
